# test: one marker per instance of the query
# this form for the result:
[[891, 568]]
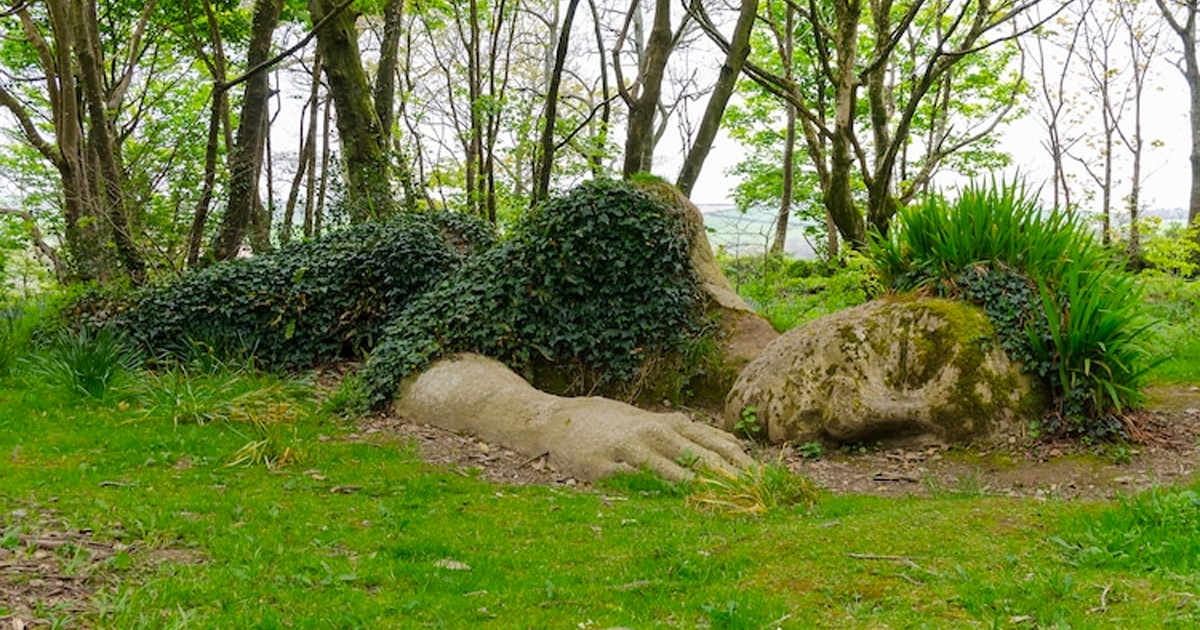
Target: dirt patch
[[1164, 450], [467, 455], [49, 571]]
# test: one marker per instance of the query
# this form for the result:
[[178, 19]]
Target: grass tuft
[[756, 490], [1062, 305], [88, 363]]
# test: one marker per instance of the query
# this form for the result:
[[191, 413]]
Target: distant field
[[751, 233]]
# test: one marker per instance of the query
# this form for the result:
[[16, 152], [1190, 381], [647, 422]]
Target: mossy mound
[[902, 369]]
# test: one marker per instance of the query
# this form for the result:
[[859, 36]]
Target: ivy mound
[[897, 370], [309, 302], [591, 291]]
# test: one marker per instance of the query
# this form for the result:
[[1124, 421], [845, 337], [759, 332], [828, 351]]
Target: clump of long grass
[[87, 363], [261, 407], [14, 337], [756, 489], [1061, 303]]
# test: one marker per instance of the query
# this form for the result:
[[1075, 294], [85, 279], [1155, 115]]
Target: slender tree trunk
[[838, 198], [789, 140], [595, 157], [318, 216], [363, 148], [102, 142], [1186, 30], [727, 78], [546, 152], [246, 159], [304, 158], [639, 135]]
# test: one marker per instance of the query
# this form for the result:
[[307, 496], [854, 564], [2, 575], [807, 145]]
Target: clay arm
[[586, 437]]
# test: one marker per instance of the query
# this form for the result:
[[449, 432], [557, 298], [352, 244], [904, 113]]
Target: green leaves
[[309, 302], [1060, 304], [588, 284]]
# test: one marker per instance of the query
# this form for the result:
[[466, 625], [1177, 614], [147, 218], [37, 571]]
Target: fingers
[[711, 439]]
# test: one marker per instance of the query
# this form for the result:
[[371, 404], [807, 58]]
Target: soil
[[1164, 448], [49, 571]]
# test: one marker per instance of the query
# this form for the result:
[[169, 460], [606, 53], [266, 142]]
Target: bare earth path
[[1164, 452]]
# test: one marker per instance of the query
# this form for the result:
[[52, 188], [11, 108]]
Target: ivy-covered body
[[584, 289], [309, 302]]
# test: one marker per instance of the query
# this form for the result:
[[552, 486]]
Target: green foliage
[[1157, 530], [1173, 250], [18, 320], [747, 424], [308, 302], [590, 284], [791, 292], [87, 363], [1060, 304], [810, 450], [1175, 304]]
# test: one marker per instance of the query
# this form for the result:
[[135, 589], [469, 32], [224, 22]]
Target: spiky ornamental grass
[[1062, 304]]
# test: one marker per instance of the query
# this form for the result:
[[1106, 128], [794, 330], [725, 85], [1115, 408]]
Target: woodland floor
[[1164, 449]]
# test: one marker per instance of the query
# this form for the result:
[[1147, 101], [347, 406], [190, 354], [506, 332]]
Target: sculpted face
[[894, 370]]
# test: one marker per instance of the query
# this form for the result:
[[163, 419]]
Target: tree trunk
[[739, 49], [789, 140], [308, 147], [639, 134], [838, 199], [246, 159], [546, 152], [101, 140], [1186, 30], [363, 148]]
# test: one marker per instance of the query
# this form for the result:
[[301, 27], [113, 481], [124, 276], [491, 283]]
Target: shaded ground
[[1164, 450], [49, 571]]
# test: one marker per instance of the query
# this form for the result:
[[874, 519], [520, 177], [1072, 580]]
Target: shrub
[[1061, 305], [590, 284], [791, 292], [87, 363], [308, 302], [1172, 249]]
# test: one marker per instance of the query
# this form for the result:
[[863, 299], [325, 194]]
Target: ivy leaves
[[591, 282]]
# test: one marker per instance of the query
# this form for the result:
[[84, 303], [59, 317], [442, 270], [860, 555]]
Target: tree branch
[[266, 65], [35, 235]]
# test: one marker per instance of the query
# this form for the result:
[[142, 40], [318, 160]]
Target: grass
[[1175, 304], [789, 292], [360, 533]]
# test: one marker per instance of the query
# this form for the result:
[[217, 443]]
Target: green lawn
[[359, 533]]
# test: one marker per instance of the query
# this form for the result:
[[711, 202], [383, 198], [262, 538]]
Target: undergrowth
[[1062, 304], [791, 292]]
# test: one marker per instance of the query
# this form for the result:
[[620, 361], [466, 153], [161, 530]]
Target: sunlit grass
[[360, 533]]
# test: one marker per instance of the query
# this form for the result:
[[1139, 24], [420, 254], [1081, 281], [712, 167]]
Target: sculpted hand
[[586, 437]]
